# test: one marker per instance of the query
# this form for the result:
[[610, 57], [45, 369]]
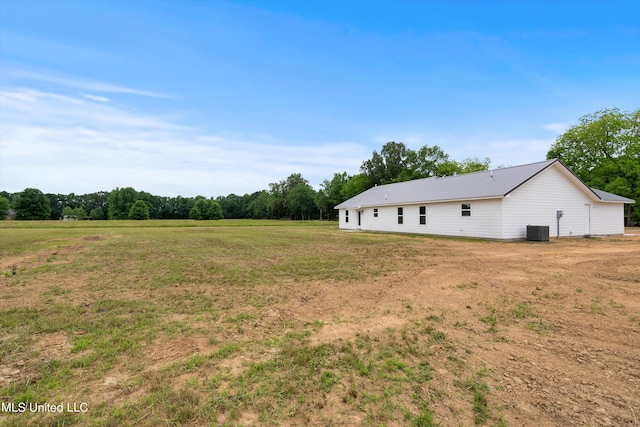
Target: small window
[[423, 215], [466, 209], [375, 212], [346, 216], [400, 216]]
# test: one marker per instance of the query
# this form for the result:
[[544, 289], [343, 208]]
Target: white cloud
[[96, 98], [79, 83], [64, 144]]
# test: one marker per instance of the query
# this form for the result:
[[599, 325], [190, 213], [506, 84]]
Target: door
[[587, 220], [359, 218]]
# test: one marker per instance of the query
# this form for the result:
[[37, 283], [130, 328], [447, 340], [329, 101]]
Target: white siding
[[442, 219], [533, 203], [352, 224], [607, 218], [536, 203]]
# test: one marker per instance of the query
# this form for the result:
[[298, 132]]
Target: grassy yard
[[116, 289], [252, 323]]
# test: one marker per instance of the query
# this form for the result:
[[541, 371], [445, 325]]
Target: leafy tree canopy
[[396, 163], [139, 210], [291, 198], [330, 193], [120, 202], [96, 213], [32, 204], [4, 208], [206, 209], [77, 213], [300, 199], [604, 151]]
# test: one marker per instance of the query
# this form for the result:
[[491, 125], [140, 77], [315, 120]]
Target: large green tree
[[604, 151], [468, 165], [120, 202], [259, 205], [291, 198], [206, 209], [178, 207], [300, 200], [96, 213], [32, 204], [387, 166], [331, 194], [397, 163], [4, 208], [139, 210], [234, 206], [355, 185]]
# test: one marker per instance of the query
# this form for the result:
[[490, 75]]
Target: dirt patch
[[54, 345], [564, 349], [51, 346], [553, 329], [166, 350], [41, 277]]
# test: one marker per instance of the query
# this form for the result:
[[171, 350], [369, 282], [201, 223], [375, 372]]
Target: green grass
[[113, 288], [167, 223], [216, 297], [480, 391]]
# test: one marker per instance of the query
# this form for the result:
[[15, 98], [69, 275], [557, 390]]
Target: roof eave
[[421, 202]]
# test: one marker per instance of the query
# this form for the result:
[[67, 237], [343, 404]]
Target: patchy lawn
[[281, 323]]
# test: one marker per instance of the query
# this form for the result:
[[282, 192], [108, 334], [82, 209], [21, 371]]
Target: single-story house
[[497, 204]]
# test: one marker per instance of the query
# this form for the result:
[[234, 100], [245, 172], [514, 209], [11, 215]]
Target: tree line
[[293, 198], [603, 150]]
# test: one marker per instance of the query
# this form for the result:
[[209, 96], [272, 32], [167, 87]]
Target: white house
[[497, 204]]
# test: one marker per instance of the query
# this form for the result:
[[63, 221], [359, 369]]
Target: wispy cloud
[[66, 144], [96, 97], [78, 82]]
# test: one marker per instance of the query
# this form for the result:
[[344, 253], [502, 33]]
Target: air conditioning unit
[[538, 233]]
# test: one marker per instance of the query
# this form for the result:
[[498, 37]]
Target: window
[[400, 216], [375, 212], [423, 215], [346, 216], [466, 209]]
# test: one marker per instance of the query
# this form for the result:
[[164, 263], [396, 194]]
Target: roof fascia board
[[618, 201], [423, 202]]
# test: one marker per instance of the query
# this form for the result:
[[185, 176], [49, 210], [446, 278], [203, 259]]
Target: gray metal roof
[[608, 197], [478, 185]]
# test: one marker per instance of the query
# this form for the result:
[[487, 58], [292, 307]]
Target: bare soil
[[572, 359], [554, 327]]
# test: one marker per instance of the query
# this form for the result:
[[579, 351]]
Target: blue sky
[[216, 97]]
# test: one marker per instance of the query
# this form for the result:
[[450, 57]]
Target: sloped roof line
[[600, 194], [546, 163], [494, 183], [610, 197]]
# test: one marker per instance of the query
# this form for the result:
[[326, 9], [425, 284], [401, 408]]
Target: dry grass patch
[[279, 323]]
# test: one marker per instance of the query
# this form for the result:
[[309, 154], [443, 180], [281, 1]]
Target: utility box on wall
[[538, 233]]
